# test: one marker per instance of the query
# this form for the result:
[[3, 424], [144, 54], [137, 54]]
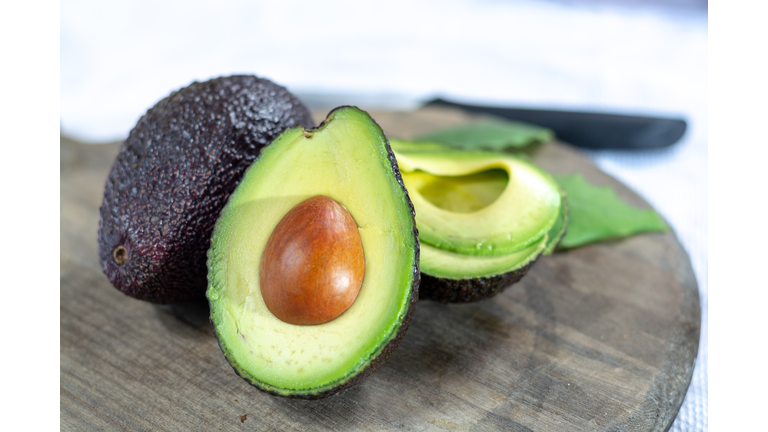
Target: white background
[[119, 58]]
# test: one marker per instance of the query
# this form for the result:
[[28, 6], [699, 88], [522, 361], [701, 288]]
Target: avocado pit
[[313, 265]]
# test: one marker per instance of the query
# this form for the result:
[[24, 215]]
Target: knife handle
[[590, 130]]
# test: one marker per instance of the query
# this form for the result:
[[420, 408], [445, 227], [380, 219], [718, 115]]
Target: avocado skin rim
[[469, 290], [382, 355]]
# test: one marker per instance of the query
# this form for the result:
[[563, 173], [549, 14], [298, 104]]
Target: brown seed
[[313, 265]]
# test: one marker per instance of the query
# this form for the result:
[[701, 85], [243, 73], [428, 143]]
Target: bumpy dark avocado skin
[[468, 290], [173, 175]]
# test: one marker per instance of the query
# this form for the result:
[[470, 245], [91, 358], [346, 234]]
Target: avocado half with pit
[[324, 211], [483, 217]]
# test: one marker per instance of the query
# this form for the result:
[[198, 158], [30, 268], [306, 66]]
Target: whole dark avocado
[[174, 174]]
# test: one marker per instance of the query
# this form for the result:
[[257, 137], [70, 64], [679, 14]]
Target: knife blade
[[590, 130]]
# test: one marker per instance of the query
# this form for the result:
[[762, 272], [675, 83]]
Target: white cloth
[[119, 58]]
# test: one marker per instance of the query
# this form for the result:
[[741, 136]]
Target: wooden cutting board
[[603, 337]]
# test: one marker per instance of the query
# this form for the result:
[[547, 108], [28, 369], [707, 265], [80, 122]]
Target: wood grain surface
[[601, 338]]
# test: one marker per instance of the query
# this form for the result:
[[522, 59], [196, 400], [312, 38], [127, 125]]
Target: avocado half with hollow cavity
[[484, 218], [173, 175], [273, 237]]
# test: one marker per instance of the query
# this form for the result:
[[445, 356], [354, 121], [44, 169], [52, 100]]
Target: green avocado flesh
[[347, 158], [449, 265], [557, 232], [479, 214], [479, 203]]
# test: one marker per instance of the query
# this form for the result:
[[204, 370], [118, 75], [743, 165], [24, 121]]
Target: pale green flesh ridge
[[527, 207], [345, 159], [448, 265], [557, 231]]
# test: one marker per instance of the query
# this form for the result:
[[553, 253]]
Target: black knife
[[590, 130]]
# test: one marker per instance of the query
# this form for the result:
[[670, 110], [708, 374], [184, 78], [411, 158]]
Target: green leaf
[[596, 213], [490, 135]]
